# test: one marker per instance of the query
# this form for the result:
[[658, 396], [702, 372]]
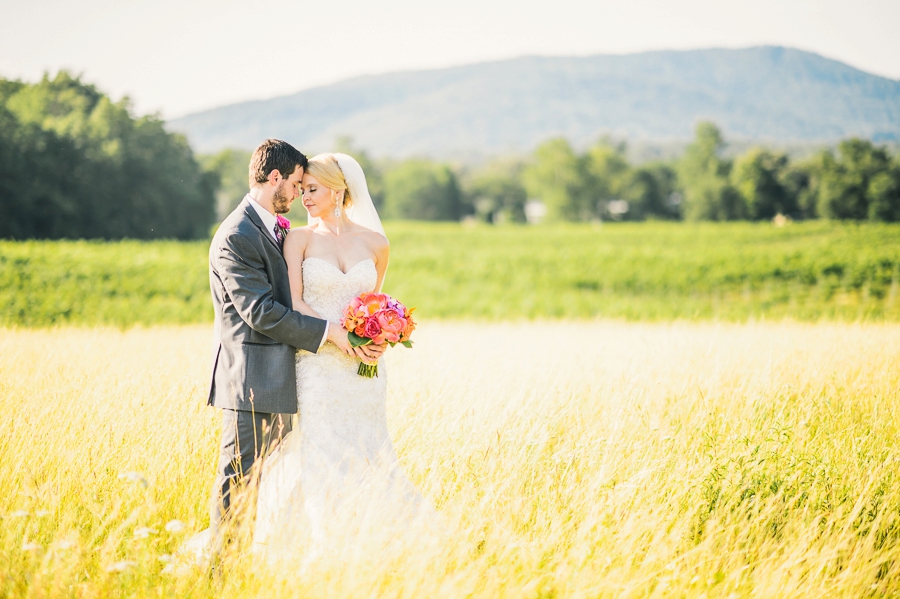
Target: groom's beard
[[281, 202]]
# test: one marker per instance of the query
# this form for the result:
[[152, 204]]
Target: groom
[[256, 331]]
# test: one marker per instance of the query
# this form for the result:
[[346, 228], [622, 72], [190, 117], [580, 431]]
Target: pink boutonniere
[[282, 226]]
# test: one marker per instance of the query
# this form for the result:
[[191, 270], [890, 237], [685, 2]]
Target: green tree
[[759, 177], [419, 189], [496, 192], [607, 175], [94, 170], [37, 170], [861, 183], [884, 194], [559, 178], [708, 194], [651, 192], [231, 170], [800, 181]]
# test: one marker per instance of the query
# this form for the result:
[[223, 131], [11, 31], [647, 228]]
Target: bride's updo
[[325, 168]]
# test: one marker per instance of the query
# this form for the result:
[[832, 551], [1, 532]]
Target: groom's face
[[287, 191]]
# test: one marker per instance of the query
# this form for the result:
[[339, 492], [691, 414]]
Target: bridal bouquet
[[377, 318]]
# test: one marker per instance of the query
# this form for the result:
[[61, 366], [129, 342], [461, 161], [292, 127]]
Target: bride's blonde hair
[[325, 168]]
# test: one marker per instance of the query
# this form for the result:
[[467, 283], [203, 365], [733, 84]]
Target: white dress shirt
[[269, 221]]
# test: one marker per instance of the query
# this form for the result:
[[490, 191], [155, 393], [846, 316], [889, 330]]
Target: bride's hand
[[338, 335], [369, 353]]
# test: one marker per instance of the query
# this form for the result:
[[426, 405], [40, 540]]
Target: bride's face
[[317, 199]]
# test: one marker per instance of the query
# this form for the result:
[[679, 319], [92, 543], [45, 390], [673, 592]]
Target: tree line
[[858, 180], [75, 164]]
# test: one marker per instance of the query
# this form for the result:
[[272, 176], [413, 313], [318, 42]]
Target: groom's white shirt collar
[[269, 220]]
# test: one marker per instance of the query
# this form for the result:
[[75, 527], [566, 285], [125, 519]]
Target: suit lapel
[[254, 218]]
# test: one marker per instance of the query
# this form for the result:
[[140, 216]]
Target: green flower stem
[[367, 370]]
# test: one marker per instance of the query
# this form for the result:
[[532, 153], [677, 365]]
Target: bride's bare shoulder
[[377, 242], [297, 238], [299, 232], [373, 239]]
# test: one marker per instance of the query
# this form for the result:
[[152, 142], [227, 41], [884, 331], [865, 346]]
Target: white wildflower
[[30, 546], [165, 558], [120, 566], [175, 526], [19, 514], [143, 532]]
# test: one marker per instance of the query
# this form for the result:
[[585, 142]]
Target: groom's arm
[[242, 272]]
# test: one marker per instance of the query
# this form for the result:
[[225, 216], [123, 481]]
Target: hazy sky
[[180, 56]]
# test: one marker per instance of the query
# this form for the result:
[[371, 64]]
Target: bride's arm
[[294, 250], [382, 250]]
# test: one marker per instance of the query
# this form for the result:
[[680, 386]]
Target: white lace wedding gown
[[335, 479]]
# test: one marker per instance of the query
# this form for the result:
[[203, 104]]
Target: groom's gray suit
[[256, 333]]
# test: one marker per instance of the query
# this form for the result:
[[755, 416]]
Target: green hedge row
[[731, 271]]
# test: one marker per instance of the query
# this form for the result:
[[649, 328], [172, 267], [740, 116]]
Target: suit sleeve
[[243, 275]]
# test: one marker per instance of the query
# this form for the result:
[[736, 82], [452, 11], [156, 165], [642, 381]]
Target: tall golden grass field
[[563, 459]]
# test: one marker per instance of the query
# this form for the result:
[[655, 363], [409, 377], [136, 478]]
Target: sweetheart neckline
[[338, 268]]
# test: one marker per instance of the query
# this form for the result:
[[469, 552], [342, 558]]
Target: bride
[[335, 477]]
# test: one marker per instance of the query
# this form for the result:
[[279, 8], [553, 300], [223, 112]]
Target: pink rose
[[372, 329], [391, 323], [372, 303], [283, 222], [354, 305]]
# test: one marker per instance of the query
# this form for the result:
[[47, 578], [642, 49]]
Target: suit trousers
[[246, 438]]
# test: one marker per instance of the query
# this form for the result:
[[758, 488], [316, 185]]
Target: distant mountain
[[764, 93]]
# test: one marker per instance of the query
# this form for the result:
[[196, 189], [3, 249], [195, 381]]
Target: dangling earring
[[337, 211]]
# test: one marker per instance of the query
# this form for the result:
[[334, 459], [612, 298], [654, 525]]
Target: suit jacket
[[256, 331]]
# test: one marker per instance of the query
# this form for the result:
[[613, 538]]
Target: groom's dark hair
[[274, 154]]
